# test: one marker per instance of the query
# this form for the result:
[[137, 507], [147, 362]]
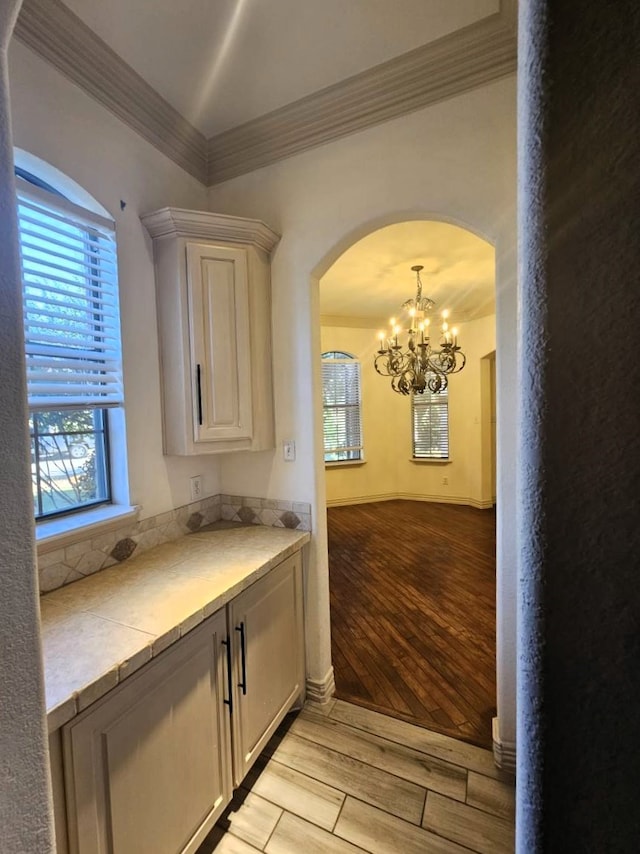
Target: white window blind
[[430, 425], [70, 300], [341, 407]]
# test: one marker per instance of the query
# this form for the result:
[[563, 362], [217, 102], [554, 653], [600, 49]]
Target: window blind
[[430, 425], [341, 408], [70, 303]]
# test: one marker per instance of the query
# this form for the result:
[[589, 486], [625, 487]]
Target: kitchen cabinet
[[148, 767], [152, 765], [267, 624], [213, 290]]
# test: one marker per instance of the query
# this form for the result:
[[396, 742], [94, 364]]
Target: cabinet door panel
[[268, 617], [149, 765], [220, 342]]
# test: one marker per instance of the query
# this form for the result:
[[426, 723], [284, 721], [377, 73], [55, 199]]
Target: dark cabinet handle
[[229, 702], [242, 684], [199, 390]]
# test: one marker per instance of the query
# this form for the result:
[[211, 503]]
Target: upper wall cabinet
[[213, 289]]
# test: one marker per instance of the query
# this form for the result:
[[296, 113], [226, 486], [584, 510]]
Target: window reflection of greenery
[[68, 460]]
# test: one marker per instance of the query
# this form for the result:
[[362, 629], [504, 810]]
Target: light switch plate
[[289, 450], [195, 484]]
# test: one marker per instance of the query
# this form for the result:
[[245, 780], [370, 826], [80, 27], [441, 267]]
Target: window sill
[[59, 533], [338, 464], [430, 461]]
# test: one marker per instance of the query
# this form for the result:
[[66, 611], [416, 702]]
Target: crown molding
[[58, 35], [203, 225], [463, 60], [456, 63]]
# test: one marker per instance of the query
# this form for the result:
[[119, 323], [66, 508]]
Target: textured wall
[[25, 810], [579, 687]]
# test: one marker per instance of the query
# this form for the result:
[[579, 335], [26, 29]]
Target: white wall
[[389, 471], [454, 161], [56, 121]]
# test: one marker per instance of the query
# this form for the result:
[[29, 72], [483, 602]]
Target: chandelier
[[420, 367]]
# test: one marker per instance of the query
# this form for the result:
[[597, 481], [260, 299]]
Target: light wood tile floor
[[343, 779]]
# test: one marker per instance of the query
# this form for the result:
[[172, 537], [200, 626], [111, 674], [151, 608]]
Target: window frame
[[111, 481], [427, 403], [338, 357]]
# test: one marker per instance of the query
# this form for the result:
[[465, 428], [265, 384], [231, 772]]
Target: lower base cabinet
[[152, 765]]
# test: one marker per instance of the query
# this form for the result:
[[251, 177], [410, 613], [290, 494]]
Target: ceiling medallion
[[420, 367]]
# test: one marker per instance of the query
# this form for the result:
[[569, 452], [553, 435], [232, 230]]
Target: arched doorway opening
[[411, 532]]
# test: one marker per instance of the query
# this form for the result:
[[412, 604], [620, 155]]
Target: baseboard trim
[[504, 752], [321, 690], [410, 496]]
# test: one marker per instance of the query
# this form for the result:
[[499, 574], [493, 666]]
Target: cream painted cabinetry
[[267, 623], [213, 291], [152, 765], [148, 767]]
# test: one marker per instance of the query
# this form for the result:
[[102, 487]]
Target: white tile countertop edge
[[98, 631]]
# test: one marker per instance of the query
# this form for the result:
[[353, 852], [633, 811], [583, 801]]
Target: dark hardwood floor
[[413, 613]]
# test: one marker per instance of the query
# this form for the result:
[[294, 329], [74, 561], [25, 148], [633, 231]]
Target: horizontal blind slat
[[341, 408], [430, 416], [71, 313]]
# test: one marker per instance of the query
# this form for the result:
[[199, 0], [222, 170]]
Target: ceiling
[[225, 87], [221, 63], [371, 280]]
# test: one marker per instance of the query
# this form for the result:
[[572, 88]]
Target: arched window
[[72, 345], [341, 407]]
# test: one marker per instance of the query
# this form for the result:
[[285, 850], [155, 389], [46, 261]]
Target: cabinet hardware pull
[[199, 388], [229, 702], [242, 684]]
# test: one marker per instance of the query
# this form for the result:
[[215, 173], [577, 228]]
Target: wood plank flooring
[[344, 779], [413, 613]]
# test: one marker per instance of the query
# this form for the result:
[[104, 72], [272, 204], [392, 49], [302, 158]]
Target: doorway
[[412, 540]]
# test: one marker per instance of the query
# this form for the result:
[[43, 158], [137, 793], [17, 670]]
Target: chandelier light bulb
[[445, 326], [392, 322], [412, 312], [396, 330], [381, 336], [445, 314]]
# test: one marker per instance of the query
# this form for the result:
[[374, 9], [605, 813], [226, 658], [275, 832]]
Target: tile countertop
[[98, 631]]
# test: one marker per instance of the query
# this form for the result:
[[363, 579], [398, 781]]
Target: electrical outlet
[[289, 450], [196, 487], [445, 481]]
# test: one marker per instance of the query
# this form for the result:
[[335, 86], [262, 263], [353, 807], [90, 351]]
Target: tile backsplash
[[84, 557]]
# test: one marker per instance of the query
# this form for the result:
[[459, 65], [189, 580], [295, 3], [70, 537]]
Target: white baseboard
[[410, 496], [504, 752], [321, 690]]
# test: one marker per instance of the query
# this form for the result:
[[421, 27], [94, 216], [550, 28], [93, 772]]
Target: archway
[[455, 258]]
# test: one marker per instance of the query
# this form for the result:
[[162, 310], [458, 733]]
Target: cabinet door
[[266, 622], [148, 767], [220, 341]]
